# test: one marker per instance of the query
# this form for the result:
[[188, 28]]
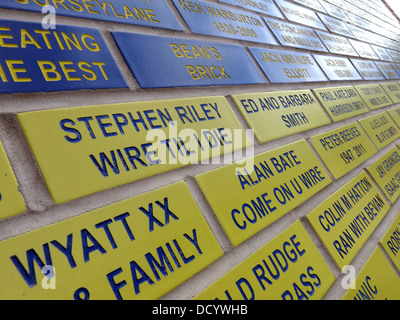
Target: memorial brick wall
[[201, 149]]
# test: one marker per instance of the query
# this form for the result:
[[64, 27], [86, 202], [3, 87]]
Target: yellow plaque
[[381, 129], [139, 248], [247, 197], [345, 220], [386, 173], [11, 200], [395, 114], [344, 148], [392, 89], [391, 242], [374, 96], [289, 267], [376, 281], [274, 115], [341, 102], [89, 149]]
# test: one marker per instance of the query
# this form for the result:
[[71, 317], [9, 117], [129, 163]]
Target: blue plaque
[[358, 21], [214, 20], [69, 58], [367, 69], [388, 70], [155, 14], [263, 6], [337, 44], [338, 3], [287, 67], [396, 66], [160, 62], [394, 54], [359, 33], [382, 53], [363, 49], [292, 35], [300, 15], [336, 26], [391, 44], [337, 69], [367, 36], [313, 4], [335, 11]]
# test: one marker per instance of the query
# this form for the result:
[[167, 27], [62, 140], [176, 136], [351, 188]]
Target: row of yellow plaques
[[143, 247], [88, 149], [84, 150], [274, 115], [104, 146], [140, 248], [290, 267], [171, 225]]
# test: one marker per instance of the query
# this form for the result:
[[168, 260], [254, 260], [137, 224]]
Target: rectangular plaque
[[394, 54], [11, 200], [335, 25], [381, 129], [378, 40], [382, 53], [248, 196], [215, 20], [288, 66], [339, 3], [155, 14], [386, 173], [140, 248], [391, 44], [337, 69], [346, 220], [68, 58], [374, 38], [361, 34], [89, 149], [363, 49], [377, 280], [337, 44], [178, 62], [341, 102], [358, 21], [368, 69], [392, 89], [274, 115], [388, 70], [300, 14], [292, 35], [374, 96], [289, 267], [312, 4], [335, 11], [396, 67], [263, 6], [395, 114], [343, 149], [391, 242]]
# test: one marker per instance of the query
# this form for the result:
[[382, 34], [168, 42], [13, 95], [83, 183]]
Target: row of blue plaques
[[75, 58]]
